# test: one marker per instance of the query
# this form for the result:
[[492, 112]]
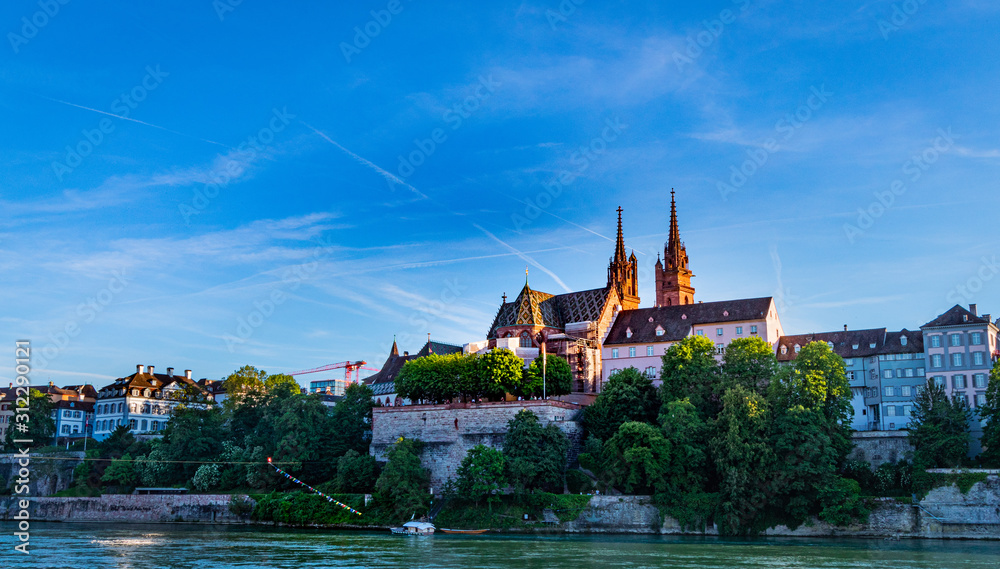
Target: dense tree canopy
[[35, 425], [628, 395], [691, 372], [558, 378], [939, 429], [403, 485], [535, 455], [481, 475], [990, 413]]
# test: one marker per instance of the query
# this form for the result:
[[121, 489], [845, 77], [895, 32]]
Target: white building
[[144, 400]]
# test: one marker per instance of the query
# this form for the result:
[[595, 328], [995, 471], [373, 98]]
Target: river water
[[87, 546]]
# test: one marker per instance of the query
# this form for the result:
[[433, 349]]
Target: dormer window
[[628, 332], [797, 348], [725, 313], [855, 346], [659, 330], [784, 349], [872, 345], [135, 392], [145, 393], [830, 344], [651, 319], [902, 340], [684, 316]]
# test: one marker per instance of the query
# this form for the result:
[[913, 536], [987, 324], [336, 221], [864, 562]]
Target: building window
[[700, 332], [850, 375], [525, 340], [628, 332], [76, 414], [888, 391], [980, 380], [718, 331], [936, 360], [720, 349], [659, 331], [977, 338], [649, 351], [956, 360], [980, 399], [614, 352], [144, 425], [753, 329], [958, 381], [955, 339], [739, 330], [797, 348], [899, 372], [65, 429], [939, 380], [887, 374], [905, 391], [921, 372], [784, 349], [890, 410], [132, 424], [977, 358], [650, 372], [631, 352], [907, 410], [902, 340], [935, 341], [909, 372]]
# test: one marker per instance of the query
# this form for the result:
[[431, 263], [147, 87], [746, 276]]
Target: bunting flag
[[315, 491]]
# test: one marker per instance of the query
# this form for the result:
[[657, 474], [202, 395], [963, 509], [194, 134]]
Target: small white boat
[[418, 528]]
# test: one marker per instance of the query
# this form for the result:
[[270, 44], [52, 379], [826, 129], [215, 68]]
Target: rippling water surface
[[86, 546]]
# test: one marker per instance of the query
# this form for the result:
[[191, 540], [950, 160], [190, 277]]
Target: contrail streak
[[135, 121], [525, 257], [384, 173]]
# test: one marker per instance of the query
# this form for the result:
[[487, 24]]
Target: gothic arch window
[[525, 340], [669, 302]]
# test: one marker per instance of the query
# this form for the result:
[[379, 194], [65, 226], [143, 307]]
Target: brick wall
[[449, 431]]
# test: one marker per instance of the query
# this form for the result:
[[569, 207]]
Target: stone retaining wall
[[449, 431], [127, 508]]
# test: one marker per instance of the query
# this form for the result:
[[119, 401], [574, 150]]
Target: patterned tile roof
[[641, 325], [536, 308]]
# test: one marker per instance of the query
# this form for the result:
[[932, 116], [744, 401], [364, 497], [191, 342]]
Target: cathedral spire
[[620, 244], [674, 241], [673, 278], [395, 348]]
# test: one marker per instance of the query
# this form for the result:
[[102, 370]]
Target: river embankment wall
[[126, 508]]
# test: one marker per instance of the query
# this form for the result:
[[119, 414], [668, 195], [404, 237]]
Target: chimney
[[986, 317], [150, 370], [170, 371], [406, 354], [187, 373], [974, 310], [140, 368], [845, 327]]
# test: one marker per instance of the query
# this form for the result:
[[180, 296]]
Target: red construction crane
[[348, 367]]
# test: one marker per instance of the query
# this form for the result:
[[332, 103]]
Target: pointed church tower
[[673, 277], [623, 273]]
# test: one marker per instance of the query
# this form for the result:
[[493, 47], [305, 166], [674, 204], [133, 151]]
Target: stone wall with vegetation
[[128, 508], [50, 472]]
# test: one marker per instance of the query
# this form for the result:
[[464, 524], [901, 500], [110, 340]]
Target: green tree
[[939, 430], [36, 424], [403, 486], [282, 384], [192, 435], [628, 395], [356, 473], [535, 456], [245, 385], [120, 473], [306, 432], [637, 458], [749, 362], [744, 460], [688, 436], [352, 421], [990, 413], [481, 475], [558, 378], [501, 372], [206, 477], [691, 372]]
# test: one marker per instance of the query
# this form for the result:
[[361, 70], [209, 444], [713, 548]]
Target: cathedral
[[574, 325]]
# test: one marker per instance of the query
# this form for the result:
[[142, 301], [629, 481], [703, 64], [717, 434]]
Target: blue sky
[[210, 185]]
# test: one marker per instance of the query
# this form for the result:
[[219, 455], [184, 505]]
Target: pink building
[[639, 338]]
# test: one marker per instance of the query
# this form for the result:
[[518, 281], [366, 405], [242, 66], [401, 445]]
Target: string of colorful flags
[[297, 481]]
